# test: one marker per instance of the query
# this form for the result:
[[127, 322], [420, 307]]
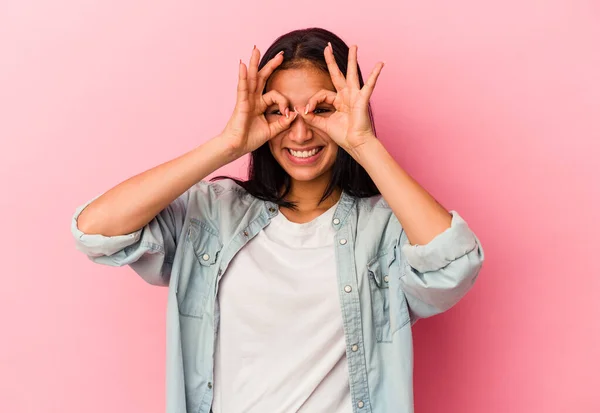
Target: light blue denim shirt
[[385, 285]]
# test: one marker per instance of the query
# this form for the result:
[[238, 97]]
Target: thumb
[[282, 123], [311, 119]]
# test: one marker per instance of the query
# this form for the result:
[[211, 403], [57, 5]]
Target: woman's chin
[[306, 175]]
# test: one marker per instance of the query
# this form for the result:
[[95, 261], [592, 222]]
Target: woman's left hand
[[350, 125]]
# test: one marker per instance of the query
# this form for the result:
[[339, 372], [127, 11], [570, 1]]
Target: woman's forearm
[[133, 203], [421, 216]]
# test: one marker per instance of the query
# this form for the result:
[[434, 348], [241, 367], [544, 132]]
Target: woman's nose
[[300, 131]]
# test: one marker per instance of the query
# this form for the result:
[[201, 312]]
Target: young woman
[[296, 289]]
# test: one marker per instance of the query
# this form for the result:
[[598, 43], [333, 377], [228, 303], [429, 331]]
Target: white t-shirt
[[281, 346]]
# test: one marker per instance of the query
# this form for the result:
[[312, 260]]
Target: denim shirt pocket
[[198, 268], [390, 311], [380, 297], [400, 315]]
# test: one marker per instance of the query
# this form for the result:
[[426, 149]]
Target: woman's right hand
[[248, 129]]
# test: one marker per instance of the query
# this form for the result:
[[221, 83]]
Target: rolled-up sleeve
[[437, 275], [149, 251]]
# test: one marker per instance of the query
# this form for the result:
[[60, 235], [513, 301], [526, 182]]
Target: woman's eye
[[317, 111]]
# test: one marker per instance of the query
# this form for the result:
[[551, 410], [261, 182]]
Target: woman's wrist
[[223, 146], [362, 152]]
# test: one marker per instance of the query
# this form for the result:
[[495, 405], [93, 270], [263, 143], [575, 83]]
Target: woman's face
[[305, 153]]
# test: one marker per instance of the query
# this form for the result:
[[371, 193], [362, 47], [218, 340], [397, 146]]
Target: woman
[[296, 289]]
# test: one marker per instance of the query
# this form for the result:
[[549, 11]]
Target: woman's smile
[[304, 156]]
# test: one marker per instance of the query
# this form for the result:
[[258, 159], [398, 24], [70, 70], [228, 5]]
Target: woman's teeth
[[304, 154]]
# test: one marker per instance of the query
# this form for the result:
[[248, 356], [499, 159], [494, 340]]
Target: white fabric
[[280, 346]]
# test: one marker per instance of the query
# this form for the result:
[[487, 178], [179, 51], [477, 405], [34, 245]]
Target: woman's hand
[[349, 126], [248, 129]]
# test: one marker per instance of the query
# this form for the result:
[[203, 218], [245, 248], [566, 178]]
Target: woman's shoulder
[[220, 205], [373, 202], [224, 195], [377, 212], [218, 189]]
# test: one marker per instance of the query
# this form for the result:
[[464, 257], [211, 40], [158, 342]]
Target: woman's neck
[[307, 197]]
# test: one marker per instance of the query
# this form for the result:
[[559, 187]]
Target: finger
[[268, 70], [337, 77], [352, 74], [372, 80], [253, 70], [282, 123], [275, 98], [322, 96], [242, 88], [313, 120]]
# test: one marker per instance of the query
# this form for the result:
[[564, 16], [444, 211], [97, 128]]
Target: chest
[[358, 265], [267, 275]]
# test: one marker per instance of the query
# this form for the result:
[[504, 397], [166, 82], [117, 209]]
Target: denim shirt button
[[386, 279], [205, 257], [355, 347], [336, 221], [360, 404], [343, 241], [348, 288]]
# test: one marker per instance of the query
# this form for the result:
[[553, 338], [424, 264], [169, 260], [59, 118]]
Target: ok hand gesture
[[349, 126], [248, 129]]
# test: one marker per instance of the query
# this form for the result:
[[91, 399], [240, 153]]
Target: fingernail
[[254, 47], [295, 110], [331, 47], [306, 110], [287, 113], [279, 53]]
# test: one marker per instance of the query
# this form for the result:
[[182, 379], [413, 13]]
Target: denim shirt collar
[[345, 205]]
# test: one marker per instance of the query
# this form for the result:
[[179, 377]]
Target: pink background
[[493, 106]]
